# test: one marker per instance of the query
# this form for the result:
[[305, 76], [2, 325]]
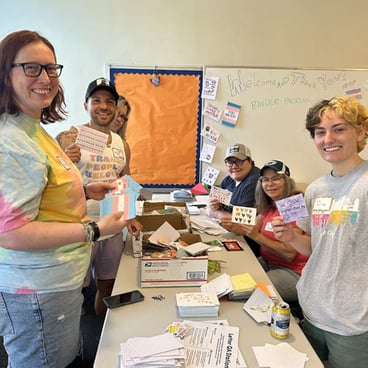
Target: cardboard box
[[168, 272], [147, 207], [151, 223]]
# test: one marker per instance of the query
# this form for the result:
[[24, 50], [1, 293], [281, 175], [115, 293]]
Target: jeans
[[340, 351], [284, 279], [41, 330]]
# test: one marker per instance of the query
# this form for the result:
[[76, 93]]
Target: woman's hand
[[98, 190], [240, 229], [112, 224], [283, 232]]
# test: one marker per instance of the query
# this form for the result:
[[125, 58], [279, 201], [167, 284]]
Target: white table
[[150, 317]]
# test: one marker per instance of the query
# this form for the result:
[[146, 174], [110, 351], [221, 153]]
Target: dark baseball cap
[[101, 83], [278, 166]]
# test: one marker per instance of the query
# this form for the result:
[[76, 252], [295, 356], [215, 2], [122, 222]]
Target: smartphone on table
[[118, 300]]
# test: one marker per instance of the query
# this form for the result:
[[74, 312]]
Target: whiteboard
[[274, 103]]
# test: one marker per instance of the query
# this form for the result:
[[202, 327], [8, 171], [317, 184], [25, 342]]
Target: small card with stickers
[[244, 215]]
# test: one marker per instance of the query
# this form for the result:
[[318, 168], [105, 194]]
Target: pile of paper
[[156, 352], [209, 345], [243, 286], [220, 285], [209, 226], [197, 304], [281, 355]]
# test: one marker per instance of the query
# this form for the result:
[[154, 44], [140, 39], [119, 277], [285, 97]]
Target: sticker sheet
[[210, 176], [207, 153]]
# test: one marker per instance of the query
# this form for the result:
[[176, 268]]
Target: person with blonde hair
[[119, 126], [332, 289]]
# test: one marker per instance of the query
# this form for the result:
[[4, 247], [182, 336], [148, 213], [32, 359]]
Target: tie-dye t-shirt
[[38, 182], [333, 288]]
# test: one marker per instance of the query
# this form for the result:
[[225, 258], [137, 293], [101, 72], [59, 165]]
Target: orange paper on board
[[162, 128]]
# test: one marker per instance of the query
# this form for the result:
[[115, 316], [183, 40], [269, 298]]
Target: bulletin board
[[273, 105], [163, 130]]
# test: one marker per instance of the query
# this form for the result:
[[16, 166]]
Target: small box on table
[[151, 223], [169, 272]]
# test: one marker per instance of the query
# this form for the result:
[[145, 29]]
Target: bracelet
[[85, 192], [91, 230]]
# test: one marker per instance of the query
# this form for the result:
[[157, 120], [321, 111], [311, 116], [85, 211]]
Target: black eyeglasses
[[34, 69], [275, 179], [236, 162]]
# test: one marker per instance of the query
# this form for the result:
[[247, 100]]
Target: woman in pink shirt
[[280, 260]]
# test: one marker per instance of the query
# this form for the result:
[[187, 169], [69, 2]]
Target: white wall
[[88, 35]]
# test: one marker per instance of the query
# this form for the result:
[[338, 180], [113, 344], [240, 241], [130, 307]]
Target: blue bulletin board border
[[171, 71]]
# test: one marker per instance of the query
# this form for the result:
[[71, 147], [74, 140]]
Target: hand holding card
[[292, 208]]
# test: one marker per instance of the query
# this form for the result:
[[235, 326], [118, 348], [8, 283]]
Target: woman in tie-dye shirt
[[43, 222]]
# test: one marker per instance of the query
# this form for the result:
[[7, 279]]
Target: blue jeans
[[41, 330]]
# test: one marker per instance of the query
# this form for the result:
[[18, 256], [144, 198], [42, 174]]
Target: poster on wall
[[164, 126]]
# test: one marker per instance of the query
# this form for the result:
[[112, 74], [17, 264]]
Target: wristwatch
[[91, 230]]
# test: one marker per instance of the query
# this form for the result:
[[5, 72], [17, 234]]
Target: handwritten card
[[223, 195], [231, 114], [207, 153], [209, 89], [210, 176], [212, 112], [91, 140], [210, 133], [244, 215], [292, 208]]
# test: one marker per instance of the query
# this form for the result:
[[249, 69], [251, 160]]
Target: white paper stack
[[221, 285], [204, 224], [281, 355], [161, 351], [197, 304]]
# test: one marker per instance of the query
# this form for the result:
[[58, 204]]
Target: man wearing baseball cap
[[101, 83], [241, 181], [100, 103]]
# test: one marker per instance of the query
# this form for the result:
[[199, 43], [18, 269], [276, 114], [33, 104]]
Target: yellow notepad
[[242, 282]]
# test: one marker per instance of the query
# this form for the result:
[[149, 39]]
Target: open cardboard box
[[151, 223], [170, 272], [147, 207]]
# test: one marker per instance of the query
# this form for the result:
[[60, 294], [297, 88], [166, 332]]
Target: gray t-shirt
[[333, 288]]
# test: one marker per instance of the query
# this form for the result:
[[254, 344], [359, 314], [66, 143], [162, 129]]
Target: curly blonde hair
[[348, 108]]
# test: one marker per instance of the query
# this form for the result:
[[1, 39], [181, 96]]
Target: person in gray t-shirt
[[333, 288]]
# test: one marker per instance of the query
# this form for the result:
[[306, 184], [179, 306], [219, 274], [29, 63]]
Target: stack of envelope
[[197, 304], [159, 351]]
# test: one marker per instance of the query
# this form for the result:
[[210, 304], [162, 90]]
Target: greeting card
[[244, 215]]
